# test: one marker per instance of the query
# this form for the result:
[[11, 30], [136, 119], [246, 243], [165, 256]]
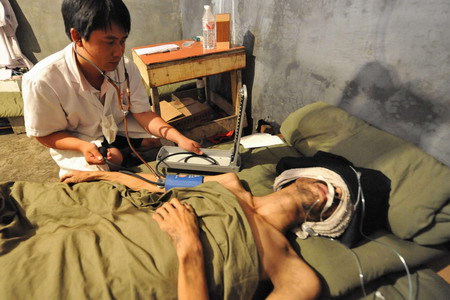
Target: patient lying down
[[316, 198]]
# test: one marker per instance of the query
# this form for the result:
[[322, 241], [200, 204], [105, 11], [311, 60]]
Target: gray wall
[[41, 27], [386, 61]]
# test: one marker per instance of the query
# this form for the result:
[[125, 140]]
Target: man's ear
[[75, 36]]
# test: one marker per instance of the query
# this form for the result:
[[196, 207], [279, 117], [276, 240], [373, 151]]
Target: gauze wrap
[[335, 224]]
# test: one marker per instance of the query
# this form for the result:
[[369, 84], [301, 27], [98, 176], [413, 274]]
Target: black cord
[[161, 184], [191, 155], [119, 167]]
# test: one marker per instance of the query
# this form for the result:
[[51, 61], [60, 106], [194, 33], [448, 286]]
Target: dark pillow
[[371, 213]]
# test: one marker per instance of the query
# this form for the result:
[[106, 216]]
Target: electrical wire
[[158, 183], [403, 261], [191, 155]]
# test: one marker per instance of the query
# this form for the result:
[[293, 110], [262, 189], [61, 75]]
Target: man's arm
[[294, 279], [228, 180], [130, 181], [291, 276], [180, 223], [157, 126], [64, 141]]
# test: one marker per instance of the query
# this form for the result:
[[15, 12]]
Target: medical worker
[[76, 100]]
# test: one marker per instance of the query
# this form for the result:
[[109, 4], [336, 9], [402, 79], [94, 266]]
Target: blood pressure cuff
[[375, 188], [174, 181]]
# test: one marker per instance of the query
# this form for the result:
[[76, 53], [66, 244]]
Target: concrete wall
[[41, 27], [386, 61]]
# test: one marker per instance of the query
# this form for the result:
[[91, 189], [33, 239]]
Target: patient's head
[[325, 200]]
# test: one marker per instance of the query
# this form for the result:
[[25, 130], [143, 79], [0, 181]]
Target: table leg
[[236, 84], [155, 100]]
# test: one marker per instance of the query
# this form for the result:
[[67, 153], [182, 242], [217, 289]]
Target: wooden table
[[193, 62]]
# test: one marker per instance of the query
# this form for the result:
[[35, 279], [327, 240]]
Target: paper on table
[[157, 49], [260, 140]]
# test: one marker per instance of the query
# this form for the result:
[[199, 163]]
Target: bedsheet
[[11, 103], [98, 241]]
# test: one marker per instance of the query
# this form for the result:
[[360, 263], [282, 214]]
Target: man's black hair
[[86, 16]]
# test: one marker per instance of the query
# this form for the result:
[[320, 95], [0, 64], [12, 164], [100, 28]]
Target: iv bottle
[[209, 28]]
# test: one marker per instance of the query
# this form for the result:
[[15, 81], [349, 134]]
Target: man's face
[[105, 48], [312, 190]]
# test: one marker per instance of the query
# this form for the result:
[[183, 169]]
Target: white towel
[[335, 224]]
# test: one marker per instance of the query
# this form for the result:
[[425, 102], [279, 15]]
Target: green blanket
[[98, 241]]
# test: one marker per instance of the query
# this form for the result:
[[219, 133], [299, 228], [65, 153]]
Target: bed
[[96, 240], [11, 104]]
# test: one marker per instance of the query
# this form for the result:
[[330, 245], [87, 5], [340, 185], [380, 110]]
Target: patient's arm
[[292, 278], [125, 179], [180, 223], [229, 180]]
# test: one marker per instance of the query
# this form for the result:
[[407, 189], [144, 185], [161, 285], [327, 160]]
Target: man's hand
[[64, 141], [92, 155], [76, 176], [190, 145], [179, 222]]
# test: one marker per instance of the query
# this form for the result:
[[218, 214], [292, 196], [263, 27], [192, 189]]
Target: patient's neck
[[281, 209]]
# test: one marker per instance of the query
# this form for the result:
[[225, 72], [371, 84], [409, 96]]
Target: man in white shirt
[[88, 94]]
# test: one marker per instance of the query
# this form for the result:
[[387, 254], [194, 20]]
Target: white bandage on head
[[335, 224]]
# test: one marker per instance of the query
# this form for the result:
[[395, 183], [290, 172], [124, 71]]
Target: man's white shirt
[[57, 97]]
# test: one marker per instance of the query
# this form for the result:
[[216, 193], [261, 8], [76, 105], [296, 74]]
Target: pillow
[[338, 266], [420, 190]]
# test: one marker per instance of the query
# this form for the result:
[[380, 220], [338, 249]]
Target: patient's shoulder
[[230, 181], [227, 179]]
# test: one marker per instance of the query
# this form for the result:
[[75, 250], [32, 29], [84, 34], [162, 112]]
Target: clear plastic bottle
[[209, 28]]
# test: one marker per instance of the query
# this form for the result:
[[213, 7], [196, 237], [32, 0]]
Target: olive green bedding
[[11, 104]]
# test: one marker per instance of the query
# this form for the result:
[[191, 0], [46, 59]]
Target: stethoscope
[[125, 108]]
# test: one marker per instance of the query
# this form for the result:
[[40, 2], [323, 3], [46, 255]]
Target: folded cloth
[[368, 189], [334, 225]]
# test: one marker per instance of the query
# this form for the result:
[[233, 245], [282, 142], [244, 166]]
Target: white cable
[[363, 207]]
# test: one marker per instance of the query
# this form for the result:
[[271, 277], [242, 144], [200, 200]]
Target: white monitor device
[[214, 160]]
